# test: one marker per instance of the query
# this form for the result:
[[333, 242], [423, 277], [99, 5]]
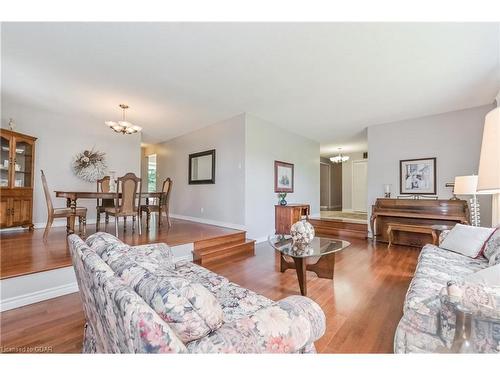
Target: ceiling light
[[123, 126], [339, 158]]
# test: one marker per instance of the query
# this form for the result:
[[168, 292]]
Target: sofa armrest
[[481, 300], [288, 326], [478, 302]]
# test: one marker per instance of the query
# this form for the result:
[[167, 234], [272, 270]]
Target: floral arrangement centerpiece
[[90, 165], [302, 231]]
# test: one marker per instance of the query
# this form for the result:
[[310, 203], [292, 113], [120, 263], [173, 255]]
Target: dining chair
[[66, 212], [127, 201], [161, 206], [103, 185]]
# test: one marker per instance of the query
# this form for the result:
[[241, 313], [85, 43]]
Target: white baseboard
[[38, 296], [182, 252], [27, 289], [62, 223], [260, 240], [209, 221], [56, 224]]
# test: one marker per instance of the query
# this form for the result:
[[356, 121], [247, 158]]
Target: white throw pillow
[[467, 240], [488, 276]]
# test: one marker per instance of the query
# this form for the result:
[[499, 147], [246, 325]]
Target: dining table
[[73, 196]]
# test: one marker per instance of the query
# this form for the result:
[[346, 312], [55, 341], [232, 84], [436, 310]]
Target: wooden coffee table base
[[324, 268]]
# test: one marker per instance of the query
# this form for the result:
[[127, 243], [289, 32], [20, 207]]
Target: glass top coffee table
[[318, 256]]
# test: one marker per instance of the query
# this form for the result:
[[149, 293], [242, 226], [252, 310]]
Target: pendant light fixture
[[339, 158], [123, 126]]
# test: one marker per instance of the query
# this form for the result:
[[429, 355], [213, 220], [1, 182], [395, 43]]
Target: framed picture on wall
[[283, 177], [417, 176]]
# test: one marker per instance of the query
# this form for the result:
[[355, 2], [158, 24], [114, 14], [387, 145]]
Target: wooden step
[[232, 246], [237, 237], [339, 228]]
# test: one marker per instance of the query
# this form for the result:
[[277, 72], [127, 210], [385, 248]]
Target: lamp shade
[[489, 162], [465, 185]]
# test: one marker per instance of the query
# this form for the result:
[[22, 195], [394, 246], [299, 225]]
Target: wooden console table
[[287, 215]]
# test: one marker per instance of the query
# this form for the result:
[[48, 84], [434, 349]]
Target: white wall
[[266, 143], [60, 137], [453, 138], [222, 202], [243, 194]]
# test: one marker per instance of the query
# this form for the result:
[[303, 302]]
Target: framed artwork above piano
[[417, 176], [421, 212]]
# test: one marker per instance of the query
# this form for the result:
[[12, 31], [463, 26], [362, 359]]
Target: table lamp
[[489, 163], [467, 185]]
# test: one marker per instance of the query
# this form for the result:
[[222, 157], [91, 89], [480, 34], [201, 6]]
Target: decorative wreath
[[90, 165]]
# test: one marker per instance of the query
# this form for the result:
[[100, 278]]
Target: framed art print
[[283, 177], [418, 176]]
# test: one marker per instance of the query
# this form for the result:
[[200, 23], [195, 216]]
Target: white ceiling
[[325, 81]]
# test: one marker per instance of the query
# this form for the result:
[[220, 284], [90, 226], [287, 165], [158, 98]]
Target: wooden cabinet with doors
[[17, 162], [287, 215]]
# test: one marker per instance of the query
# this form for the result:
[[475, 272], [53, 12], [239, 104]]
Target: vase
[[462, 342], [302, 231]]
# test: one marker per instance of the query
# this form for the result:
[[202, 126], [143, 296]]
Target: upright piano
[[423, 212]]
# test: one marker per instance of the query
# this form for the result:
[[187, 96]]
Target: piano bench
[[424, 229]]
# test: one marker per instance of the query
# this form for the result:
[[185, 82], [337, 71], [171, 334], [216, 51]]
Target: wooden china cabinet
[[17, 164]]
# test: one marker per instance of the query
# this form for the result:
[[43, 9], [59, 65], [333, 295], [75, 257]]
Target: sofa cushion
[[188, 307], [487, 276], [492, 248], [236, 302], [467, 240]]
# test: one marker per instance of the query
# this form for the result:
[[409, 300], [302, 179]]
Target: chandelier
[[339, 158], [123, 126]]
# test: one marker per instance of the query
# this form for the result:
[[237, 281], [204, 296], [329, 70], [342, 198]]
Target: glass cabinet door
[[23, 161], [4, 161]]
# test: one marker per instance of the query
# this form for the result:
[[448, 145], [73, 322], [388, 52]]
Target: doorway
[[330, 186], [343, 189], [151, 172], [359, 185]]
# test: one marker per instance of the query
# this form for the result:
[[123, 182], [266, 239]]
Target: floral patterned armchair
[[137, 300]]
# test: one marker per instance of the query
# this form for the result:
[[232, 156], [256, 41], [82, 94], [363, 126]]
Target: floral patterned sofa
[[137, 300], [428, 322]]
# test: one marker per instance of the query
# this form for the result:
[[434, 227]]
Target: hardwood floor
[[23, 252], [363, 304]]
